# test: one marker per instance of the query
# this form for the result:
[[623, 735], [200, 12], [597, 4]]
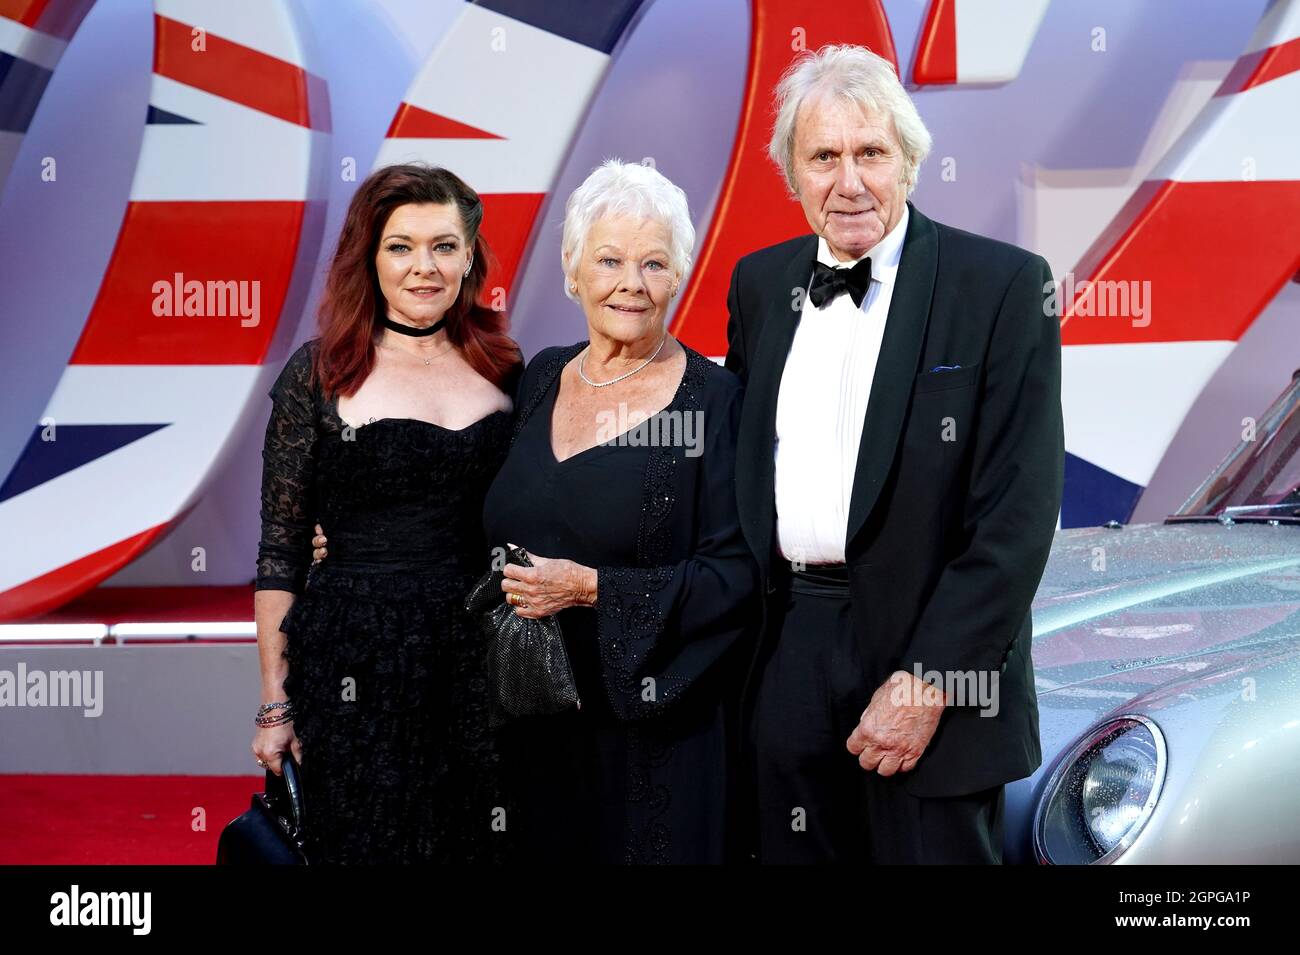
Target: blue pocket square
[[945, 368]]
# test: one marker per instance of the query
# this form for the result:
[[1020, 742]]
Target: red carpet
[[119, 820]]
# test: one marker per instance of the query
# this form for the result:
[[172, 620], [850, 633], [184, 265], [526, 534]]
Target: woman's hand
[[549, 586], [270, 743], [318, 542]]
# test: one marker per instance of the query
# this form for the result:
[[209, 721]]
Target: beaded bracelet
[[262, 719]]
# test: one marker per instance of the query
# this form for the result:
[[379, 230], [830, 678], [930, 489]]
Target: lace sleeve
[[284, 553]]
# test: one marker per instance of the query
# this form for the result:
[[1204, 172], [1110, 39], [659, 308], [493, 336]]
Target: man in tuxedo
[[899, 474]]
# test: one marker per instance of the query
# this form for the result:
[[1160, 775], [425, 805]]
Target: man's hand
[[897, 724], [318, 543]]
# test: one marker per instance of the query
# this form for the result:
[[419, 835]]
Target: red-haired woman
[[387, 429]]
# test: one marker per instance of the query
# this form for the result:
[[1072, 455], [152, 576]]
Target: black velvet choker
[[410, 330]]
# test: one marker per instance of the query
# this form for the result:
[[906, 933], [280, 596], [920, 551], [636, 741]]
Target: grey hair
[[618, 188], [856, 74]]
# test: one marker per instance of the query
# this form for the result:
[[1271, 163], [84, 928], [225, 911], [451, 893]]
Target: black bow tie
[[828, 282]]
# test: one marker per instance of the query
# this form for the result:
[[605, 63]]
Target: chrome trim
[[1063, 764]]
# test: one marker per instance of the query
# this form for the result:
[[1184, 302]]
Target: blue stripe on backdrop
[[74, 445], [21, 86], [161, 117], [594, 23], [1094, 495]]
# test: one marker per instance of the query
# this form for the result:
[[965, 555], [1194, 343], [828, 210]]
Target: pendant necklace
[[417, 332]]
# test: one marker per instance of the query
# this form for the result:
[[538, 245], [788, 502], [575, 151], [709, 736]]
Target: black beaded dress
[[384, 666], [644, 771]]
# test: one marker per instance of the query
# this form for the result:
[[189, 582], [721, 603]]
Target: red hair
[[352, 303]]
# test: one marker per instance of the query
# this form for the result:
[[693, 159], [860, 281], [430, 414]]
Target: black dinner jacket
[[958, 481]]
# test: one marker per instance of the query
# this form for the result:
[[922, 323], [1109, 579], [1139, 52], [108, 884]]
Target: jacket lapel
[[756, 475], [896, 368]]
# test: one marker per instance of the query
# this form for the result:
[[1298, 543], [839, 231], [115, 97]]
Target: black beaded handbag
[[527, 665], [273, 831]]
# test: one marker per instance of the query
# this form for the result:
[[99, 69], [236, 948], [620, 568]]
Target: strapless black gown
[[385, 668]]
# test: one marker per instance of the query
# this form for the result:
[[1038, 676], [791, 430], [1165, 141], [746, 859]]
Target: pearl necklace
[[582, 364]]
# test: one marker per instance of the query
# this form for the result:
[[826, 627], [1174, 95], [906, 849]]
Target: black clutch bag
[[273, 831], [527, 666]]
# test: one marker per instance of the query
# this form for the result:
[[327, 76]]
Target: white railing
[[121, 633]]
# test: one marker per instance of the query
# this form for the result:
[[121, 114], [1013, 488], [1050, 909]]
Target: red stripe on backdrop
[[1214, 253], [51, 590], [202, 241], [508, 220], [411, 122], [59, 18], [1258, 68], [936, 50], [754, 208], [26, 12], [237, 73]]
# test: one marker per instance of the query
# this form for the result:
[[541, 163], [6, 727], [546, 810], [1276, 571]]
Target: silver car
[[1167, 663]]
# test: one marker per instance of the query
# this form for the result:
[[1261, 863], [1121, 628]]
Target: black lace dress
[[385, 669]]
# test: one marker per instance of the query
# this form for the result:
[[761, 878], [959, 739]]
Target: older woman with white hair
[[620, 486]]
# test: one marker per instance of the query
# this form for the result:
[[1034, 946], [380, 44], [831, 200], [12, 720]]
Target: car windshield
[[1260, 479]]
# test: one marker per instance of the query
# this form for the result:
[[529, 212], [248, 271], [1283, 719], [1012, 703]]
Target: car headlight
[[1101, 793]]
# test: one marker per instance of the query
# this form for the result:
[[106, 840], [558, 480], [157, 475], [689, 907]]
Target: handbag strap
[[290, 782]]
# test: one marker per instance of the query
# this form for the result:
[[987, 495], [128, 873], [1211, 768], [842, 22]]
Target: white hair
[[856, 74], [618, 188]]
